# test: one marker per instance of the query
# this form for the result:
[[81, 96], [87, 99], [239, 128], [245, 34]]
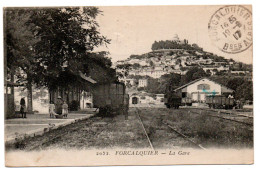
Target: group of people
[[60, 108]]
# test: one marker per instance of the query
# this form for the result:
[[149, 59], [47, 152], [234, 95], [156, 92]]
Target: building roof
[[223, 88], [87, 78]]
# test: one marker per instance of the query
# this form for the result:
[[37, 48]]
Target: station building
[[197, 90]]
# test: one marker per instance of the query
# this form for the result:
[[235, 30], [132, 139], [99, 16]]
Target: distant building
[[198, 53], [140, 98], [212, 70], [168, 58], [220, 63], [120, 62], [143, 63], [142, 83], [133, 61], [176, 38], [223, 68], [159, 99], [156, 72], [145, 99], [239, 72], [129, 81]]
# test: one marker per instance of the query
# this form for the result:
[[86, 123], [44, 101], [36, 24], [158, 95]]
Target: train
[[110, 98], [220, 102], [172, 101], [213, 101]]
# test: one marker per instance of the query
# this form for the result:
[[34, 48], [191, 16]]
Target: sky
[[133, 29]]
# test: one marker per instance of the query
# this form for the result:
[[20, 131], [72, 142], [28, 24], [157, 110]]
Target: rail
[[172, 128], [151, 145], [229, 119]]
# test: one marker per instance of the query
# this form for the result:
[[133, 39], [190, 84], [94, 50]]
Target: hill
[[178, 56]]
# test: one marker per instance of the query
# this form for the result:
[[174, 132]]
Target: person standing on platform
[[65, 109], [52, 110], [59, 106], [22, 108]]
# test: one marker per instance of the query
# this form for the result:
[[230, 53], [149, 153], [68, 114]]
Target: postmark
[[230, 29]]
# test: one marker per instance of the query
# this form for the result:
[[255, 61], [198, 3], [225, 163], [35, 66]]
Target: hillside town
[[159, 62]]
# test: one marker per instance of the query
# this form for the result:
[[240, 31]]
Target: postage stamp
[[230, 29]]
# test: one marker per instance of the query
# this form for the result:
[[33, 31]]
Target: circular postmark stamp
[[230, 29]]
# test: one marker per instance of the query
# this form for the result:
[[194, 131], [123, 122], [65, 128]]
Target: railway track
[[172, 129], [226, 118], [50, 140], [227, 113]]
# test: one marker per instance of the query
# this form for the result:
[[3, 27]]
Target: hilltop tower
[[176, 38]]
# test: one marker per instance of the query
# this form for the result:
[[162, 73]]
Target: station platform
[[37, 124]]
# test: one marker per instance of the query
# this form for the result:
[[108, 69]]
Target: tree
[[155, 45], [42, 44], [67, 37], [165, 84], [245, 91], [125, 67], [172, 81], [152, 85], [136, 65], [98, 67], [151, 63], [193, 74], [19, 54], [168, 44]]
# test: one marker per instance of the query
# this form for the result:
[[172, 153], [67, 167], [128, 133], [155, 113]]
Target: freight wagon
[[220, 102], [111, 98]]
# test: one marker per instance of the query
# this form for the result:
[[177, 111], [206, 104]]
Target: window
[[203, 87]]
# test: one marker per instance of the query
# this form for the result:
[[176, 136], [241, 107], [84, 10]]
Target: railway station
[[69, 86]]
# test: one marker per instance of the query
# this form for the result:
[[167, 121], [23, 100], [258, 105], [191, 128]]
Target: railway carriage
[[220, 102], [111, 98]]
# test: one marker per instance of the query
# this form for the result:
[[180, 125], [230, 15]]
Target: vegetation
[[168, 44], [240, 84], [52, 38]]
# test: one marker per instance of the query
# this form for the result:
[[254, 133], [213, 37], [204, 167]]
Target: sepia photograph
[[128, 85]]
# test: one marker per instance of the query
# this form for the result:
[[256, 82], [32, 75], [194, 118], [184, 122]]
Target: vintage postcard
[[128, 85]]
